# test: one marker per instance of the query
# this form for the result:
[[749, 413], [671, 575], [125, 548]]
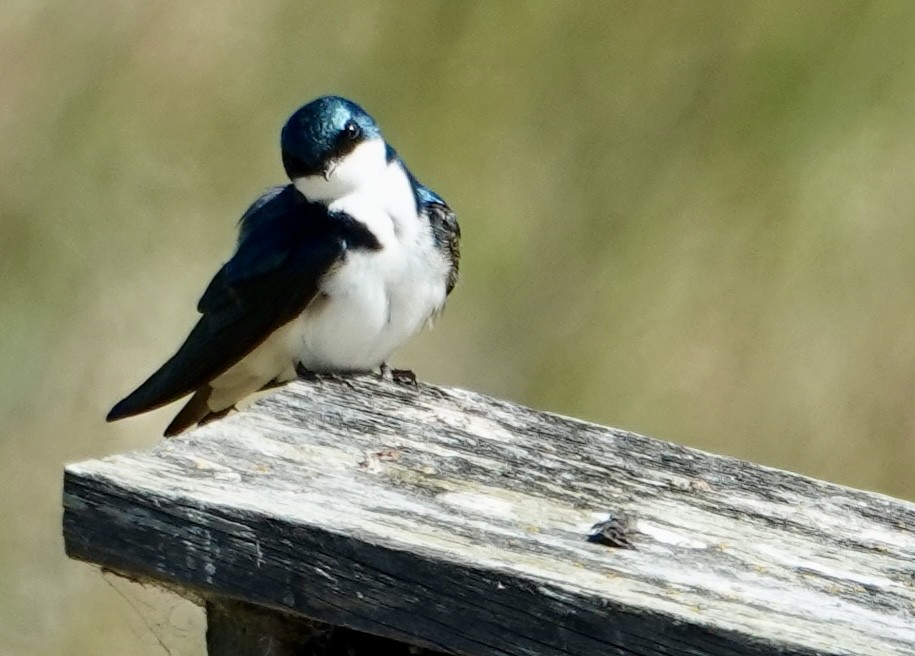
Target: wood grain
[[458, 522]]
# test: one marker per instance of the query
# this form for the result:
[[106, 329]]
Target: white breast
[[375, 300]]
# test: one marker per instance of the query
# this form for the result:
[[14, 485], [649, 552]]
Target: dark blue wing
[[285, 246], [445, 229]]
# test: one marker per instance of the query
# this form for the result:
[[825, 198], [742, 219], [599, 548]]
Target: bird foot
[[305, 374], [310, 376], [399, 376]]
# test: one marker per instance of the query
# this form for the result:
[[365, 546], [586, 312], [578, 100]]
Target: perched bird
[[331, 274]]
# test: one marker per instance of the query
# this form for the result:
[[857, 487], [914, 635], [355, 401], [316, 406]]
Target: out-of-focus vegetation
[[693, 220]]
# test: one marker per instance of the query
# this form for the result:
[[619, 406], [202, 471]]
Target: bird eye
[[352, 131]]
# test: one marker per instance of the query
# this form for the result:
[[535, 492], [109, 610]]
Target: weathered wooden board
[[454, 521]]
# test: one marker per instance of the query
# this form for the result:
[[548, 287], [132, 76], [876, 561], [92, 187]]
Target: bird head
[[330, 147]]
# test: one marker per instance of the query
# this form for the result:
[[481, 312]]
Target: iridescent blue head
[[319, 135]]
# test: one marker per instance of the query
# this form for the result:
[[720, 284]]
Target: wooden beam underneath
[[452, 521]]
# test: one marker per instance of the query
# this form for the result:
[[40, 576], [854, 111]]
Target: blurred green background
[[692, 220]]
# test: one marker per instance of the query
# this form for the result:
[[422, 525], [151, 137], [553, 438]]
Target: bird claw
[[310, 376], [305, 374], [399, 376]]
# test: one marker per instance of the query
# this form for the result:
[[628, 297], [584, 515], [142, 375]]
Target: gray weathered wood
[[450, 520]]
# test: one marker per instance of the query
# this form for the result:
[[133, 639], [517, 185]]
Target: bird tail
[[194, 411], [197, 411], [167, 384]]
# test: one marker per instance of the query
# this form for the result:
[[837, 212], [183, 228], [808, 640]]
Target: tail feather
[[199, 409], [160, 389], [193, 412]]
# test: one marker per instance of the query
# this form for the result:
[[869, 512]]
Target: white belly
[[371, 306]]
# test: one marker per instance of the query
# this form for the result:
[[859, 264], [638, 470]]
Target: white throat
[[370, 189], [360, 168]]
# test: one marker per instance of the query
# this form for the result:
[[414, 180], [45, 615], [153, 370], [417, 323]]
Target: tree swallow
[[331, 274]]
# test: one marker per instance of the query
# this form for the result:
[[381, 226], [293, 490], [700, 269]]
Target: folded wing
[[285, 246]]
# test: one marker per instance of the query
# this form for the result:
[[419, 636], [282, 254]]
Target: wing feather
[[285, 246], [445, 228]]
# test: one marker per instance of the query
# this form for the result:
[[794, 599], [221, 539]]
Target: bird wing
[[285, 246], [445, 229]]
